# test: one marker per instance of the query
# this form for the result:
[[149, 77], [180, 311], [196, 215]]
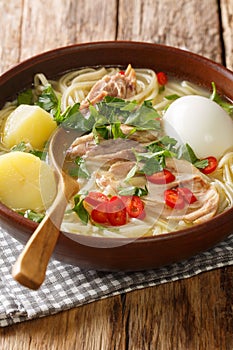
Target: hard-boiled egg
[[201, 123]]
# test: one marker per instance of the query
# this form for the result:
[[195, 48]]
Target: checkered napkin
[[67, 286]]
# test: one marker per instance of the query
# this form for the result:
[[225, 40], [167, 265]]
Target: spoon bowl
[[40, 246]]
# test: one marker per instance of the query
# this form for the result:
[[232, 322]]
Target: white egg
[[201, 123]]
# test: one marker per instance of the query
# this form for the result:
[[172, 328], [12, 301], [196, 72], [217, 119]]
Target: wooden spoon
[[30, 267]]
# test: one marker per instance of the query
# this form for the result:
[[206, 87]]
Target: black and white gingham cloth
[[67, 286]]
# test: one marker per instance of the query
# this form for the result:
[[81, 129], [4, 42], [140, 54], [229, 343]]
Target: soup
[[153, 155]]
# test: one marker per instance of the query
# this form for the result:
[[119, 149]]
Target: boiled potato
[[26, 182], [30, 124]]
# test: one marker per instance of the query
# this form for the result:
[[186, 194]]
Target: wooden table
[[189, 314]]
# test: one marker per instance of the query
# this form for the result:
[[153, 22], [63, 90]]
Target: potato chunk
[[29, 124], [26, 182]]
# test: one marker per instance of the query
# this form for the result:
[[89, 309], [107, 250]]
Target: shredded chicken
[[111, 160], [115, 149], [118, 85], [80, 146], [109, 152], [187, 176], [142, 136], [84, 144], [208, 205], [121, 168]]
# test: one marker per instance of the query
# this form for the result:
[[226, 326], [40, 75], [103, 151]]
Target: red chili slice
[[174, 199], [212, 165], [188, 195], [162, 78], [134, 206], [95, 198], [122, 72], [161, 177], [100, 213], [117, 214]]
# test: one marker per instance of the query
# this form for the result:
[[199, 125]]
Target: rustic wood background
[[192, 314]]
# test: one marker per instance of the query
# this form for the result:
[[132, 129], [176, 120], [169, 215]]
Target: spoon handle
[[30, 267]]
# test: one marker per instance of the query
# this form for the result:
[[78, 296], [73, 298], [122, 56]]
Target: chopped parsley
[[228, 107], [32, 215], [24, 147], [154, 157], [25, 97], [186, 152], [79, 169], [49, 101], [172, 97], [80, 210], [133, 191], [106, 117]]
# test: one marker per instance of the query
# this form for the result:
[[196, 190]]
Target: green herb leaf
[[21, 147], [144, 118], [165, 143], [25, 97], [172, 97], [48, 100], [74, 119], [106, 117], [79, 170], [133, 191], [129, 106], [188, 154], [57, 113], [116, 131], [32, 215], [161, 88], [116, 107], [40, 154], [152, 165], [80, 210], [201, 163], [100, 131], [131, 173], [228, 107], [154, 159]]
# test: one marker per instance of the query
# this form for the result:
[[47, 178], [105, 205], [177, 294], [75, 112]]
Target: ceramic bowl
[[110, 253]]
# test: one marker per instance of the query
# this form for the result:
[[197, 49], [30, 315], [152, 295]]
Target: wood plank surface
[[191, 314], [29, 27], [191, 25], [227, 31]]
